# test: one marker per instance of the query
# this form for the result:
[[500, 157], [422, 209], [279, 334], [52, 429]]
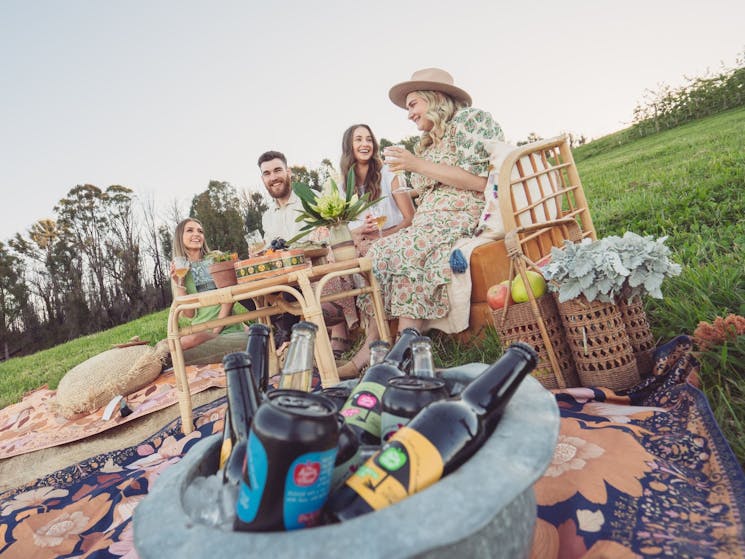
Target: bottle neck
[[400, 353], [300, 353], [378, 351], [490, 392], [423, 364]]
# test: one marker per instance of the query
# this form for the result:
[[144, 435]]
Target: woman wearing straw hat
[[449, 172]]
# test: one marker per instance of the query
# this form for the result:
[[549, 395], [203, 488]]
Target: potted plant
[[610, 269], [599, 286], [334, 210], [222, 268]]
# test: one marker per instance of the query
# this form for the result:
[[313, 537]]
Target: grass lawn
[[687, 183]]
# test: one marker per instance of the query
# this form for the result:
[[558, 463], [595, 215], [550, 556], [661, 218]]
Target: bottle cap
[[236, 360], [304, 325], [259, 329]]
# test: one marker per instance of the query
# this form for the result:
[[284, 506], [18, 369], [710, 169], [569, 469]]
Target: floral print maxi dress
[[413, 265]]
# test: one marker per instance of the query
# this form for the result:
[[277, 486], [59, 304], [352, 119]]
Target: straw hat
[[428, 79]]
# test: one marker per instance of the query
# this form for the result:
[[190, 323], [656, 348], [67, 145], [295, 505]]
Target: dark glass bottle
[[400, 353], [243, 402], [258, 350], [362, 409], [436, 441]]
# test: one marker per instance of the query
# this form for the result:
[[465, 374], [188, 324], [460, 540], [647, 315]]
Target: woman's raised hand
[[398, 158]]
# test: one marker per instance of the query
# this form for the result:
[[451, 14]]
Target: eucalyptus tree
[[155, 248], [218, 208], [123, 251], [83, 221], [54, 276], [253, 206], [13, 295]]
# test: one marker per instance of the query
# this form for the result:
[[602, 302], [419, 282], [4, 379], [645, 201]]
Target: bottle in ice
[[378, 350], [400, 354], [243, 402], [436, 441], [297, 373], [362, 409], [258, 350], [289, 462], [422, 362]]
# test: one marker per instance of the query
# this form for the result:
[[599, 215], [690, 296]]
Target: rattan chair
[[540, 200]]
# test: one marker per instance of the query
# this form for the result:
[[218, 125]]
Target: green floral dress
[[413, 265]]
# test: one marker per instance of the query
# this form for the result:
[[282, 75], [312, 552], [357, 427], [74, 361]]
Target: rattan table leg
[[182, 383]]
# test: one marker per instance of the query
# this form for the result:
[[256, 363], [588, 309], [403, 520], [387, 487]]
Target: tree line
[[104, 258]]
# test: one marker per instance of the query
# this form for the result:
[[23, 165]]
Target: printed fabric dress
[[412, 266]]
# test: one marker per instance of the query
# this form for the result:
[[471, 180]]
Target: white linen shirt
[[279, 221]]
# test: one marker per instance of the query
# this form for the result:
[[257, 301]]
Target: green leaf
[[350, 183]]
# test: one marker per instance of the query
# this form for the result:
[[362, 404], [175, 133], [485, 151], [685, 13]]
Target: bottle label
[[390, 424], [255, 469], [307, 487], [405, 465], [363, 407]]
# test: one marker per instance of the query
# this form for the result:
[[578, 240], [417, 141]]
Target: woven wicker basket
[[520, 325], [599, 344], [639, 333]]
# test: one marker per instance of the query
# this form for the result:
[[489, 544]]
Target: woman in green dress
[[208, 346]]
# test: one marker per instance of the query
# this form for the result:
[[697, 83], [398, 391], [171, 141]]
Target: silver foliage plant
[[611, 267]]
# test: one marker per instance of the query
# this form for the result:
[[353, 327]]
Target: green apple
[[537, 285]]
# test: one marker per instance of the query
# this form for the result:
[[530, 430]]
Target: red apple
[[498, 295]]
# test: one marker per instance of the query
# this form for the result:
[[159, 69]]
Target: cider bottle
[[297, 373], [242, 405], [400, 353], [423, 364], [258, 350], [436, 441]]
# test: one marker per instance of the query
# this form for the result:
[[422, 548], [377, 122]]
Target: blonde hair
[[178, 239], [441, 109]]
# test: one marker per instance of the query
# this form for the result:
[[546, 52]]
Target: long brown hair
[[372, 180], [178, 239]]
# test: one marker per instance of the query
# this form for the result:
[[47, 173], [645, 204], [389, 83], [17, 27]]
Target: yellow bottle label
[[405, 465], [225, 449]]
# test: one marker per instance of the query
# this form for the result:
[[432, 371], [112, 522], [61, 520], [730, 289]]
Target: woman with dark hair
[[203, 347], [449, 173], [361, 152]]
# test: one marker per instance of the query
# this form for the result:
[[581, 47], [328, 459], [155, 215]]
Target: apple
[[537, 285], [498, 294]]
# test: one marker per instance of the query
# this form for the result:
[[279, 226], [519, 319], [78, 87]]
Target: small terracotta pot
[[223, 273]]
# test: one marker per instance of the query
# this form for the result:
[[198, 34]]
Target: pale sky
[[164, 95]]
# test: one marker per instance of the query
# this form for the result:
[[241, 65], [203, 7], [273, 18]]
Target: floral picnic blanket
[[33, 424], [647, 473]]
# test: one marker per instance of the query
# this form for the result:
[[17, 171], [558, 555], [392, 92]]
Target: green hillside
[[686, 183]]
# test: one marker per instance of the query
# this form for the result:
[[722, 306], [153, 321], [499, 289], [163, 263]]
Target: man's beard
[[284, 189]]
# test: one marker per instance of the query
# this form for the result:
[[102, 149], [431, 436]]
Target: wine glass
[[380, 219], [180, 268], [389, 155]]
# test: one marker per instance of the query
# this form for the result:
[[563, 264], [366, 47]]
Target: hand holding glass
[[180, 268], [388, 153], [380, 219]]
